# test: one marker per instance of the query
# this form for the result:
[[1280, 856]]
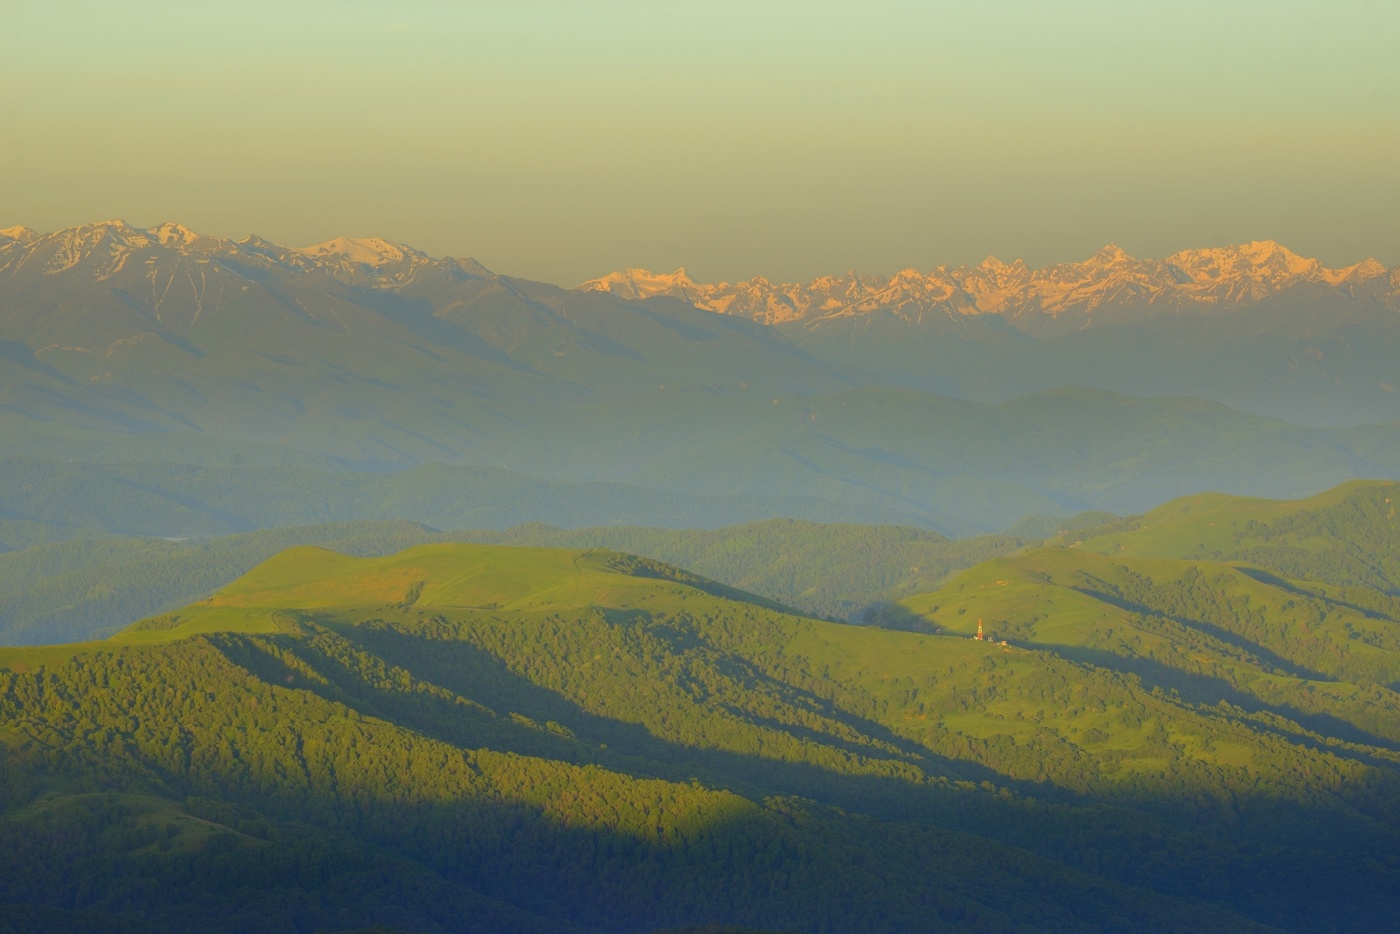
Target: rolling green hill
[[484, 737], [839, 571], [1289, 607], [1345, 536], [88, 587]]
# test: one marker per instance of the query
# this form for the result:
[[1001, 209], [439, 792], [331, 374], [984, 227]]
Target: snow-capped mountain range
[[98, 252], [1253, 326], [962, 397], [1195, 278], [1202, 277]]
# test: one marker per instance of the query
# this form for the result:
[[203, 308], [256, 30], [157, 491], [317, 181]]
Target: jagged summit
[[1111, 277], [992, 264], [1368, 268], [1111, 253], [174, 234], [253, 241]]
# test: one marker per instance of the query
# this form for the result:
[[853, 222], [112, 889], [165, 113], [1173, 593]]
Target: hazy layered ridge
[[870, 456], [1254, 326], [161, 345], [365, 350]]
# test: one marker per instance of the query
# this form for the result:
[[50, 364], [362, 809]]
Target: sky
[[561, 139]]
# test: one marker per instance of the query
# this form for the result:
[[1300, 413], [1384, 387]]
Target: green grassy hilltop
[[1290, 607], [90, 587], [481, 737]]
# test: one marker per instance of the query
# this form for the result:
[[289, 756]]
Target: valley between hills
[[348, 588]]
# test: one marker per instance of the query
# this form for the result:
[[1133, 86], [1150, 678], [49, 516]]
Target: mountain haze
[[365, 350], [136, 349], [1254, 326]]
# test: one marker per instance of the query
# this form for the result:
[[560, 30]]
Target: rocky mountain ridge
[[1194, 278], [97, 252], [1205, 278]]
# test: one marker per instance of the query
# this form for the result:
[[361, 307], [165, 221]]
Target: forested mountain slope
[[467, 737]]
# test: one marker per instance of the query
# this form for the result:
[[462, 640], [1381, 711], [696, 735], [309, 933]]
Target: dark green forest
[[1190, 724]]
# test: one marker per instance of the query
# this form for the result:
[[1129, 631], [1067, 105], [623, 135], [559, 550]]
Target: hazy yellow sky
[[559, 139]]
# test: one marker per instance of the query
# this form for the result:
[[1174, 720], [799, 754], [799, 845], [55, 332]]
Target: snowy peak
[[373, 251], [1368, 268], [1111, 278], [1253, 269], [1110, 254], [643, 283], [370, 261], [174, 235]]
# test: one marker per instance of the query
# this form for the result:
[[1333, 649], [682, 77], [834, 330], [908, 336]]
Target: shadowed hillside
[[1283, 608], [522, 736]]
